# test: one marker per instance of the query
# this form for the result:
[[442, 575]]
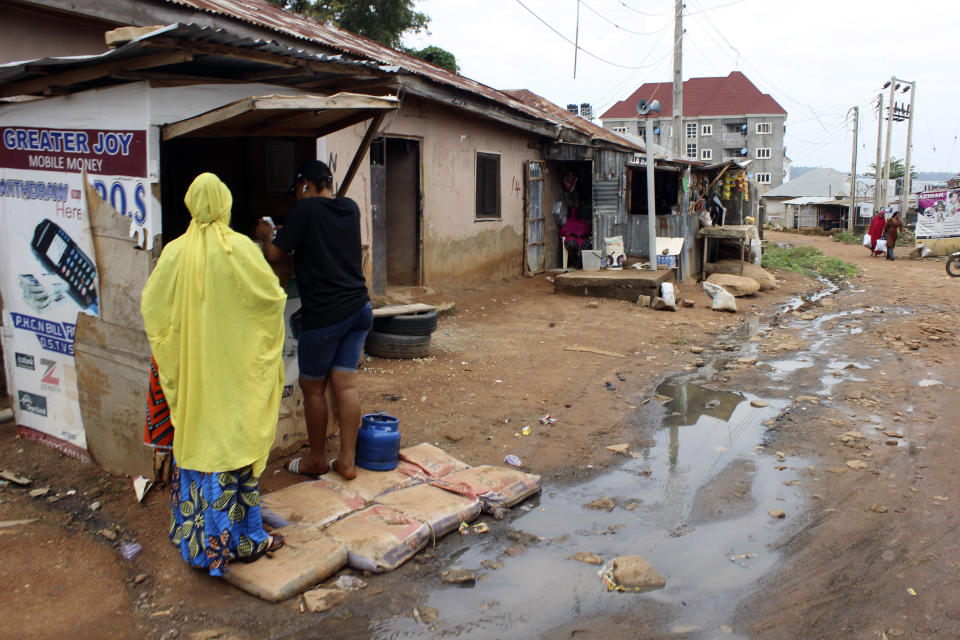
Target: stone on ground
[[459, 576], [320, 600], [587, 558], [602, 504], [764, 278], [737, 286], [635, 571]]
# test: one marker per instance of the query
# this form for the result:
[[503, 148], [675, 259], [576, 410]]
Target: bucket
[[591, 259], [378, 442], [613, 248]]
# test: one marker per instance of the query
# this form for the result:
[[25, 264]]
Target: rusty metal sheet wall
[[633, 228], [609, 195]]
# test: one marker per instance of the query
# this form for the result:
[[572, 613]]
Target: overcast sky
[[817, 58]]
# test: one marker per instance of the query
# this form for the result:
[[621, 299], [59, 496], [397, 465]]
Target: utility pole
[[576, 42], [904, 197], [886, 163], [679, 136], [878, 168], [853, 172], [651, 200]]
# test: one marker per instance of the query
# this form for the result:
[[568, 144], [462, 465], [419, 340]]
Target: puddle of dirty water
[[789, 365], [542, 589]]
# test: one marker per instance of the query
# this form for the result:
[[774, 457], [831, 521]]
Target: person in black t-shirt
[[323, 234]]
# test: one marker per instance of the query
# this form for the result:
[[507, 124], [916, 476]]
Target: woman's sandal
[[274, 541]]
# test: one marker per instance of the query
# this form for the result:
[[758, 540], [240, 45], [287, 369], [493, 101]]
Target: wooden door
[[534, 243]]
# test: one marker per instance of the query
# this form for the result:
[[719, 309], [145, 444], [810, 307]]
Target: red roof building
[[733, 95], [723, 118]]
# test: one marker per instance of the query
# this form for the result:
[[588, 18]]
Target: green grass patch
[[847, 238], [808, 261]]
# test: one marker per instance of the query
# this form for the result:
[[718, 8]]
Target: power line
[[596, 57], [644, 13], [693, 41], [629, 78], [608, 20], [719, 6], [755, 68]]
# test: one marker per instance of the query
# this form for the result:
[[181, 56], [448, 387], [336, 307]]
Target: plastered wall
[[458, 249]]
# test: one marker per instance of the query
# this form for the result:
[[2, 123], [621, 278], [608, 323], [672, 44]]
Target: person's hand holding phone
[[265, 230]]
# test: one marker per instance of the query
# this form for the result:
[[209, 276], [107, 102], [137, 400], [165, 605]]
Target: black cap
[[316, 172]]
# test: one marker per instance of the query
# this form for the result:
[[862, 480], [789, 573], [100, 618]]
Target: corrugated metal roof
[[819, 182], [22, 70], [266, 15], [569, 119], [811, 200], [733, 95]]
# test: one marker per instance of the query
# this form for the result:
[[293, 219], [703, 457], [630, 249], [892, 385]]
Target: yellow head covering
[[213, 313]]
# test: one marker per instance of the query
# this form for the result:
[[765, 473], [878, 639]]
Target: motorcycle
[[953, 265]]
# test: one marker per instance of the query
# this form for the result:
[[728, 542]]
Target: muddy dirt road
[[838, 410]]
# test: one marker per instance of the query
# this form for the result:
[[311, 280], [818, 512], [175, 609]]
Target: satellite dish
[[656, 130], [644, 107], [743, 151]]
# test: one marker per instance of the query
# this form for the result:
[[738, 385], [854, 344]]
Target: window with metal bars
[[488, 186]]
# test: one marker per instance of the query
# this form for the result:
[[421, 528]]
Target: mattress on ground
[[494, 486], [433, 460], [317, 502], [379, 538], [440, 510], [370, 484], [308, 557]]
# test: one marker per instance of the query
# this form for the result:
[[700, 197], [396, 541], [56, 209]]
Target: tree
[[437, 56], [897, 170], [385, 21]]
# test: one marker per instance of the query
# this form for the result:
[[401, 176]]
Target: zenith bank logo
[[49, 381]]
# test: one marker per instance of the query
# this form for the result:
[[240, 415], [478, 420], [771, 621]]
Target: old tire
[[422, 323], [391, 345]]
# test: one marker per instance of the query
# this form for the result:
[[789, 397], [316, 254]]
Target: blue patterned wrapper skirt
[[215, 517]]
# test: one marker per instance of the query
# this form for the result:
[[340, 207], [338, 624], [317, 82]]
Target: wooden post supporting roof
[[361, 152]]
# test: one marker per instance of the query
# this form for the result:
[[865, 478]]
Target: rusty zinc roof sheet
[[268, 16], [574, 121]]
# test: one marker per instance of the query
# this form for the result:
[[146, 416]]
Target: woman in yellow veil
[[213, 313]]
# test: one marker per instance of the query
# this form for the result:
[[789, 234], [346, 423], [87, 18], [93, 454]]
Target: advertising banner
[[48, 271], [938, 214]]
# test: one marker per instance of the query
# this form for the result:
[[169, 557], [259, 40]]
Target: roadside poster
[[938, 214], [48, 271]]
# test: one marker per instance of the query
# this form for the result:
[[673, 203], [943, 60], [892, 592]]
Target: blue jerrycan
[[378, 442]]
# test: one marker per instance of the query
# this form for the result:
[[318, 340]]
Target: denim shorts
[[337, 347]]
